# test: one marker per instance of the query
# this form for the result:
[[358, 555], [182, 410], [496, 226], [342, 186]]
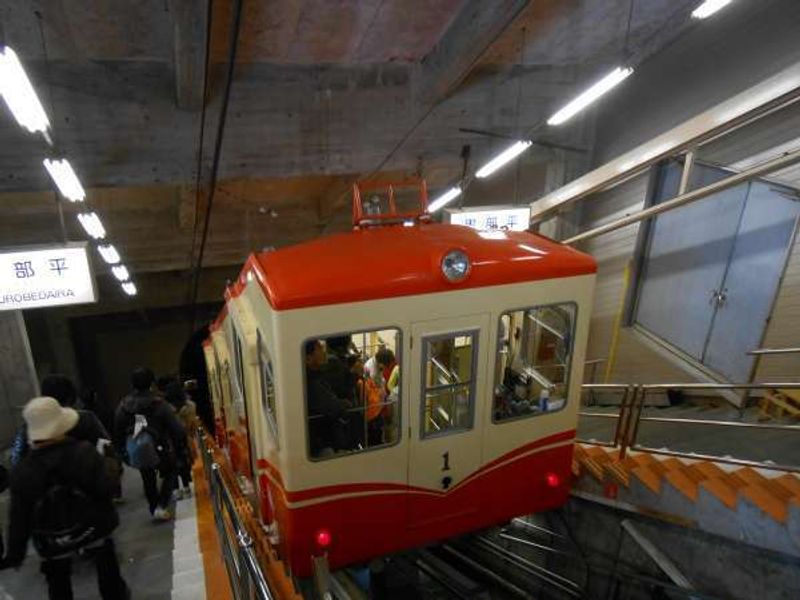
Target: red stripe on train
[[354, 488]]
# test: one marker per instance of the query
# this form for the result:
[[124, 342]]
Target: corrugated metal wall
[[636, 360]]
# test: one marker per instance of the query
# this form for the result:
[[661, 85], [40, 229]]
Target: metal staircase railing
[[244, 571], [630, 417]]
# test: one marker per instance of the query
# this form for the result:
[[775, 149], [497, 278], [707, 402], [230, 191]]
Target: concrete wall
[[18, 382], [720, 57], [714, 565], [109, 347]]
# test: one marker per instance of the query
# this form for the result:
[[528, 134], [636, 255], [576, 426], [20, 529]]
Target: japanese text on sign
[[491, 219], [36, 277]]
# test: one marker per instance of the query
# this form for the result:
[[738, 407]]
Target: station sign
[[490, 218], [39, 276]]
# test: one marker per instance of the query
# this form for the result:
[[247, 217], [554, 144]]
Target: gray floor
[[780, 447], [144, 549]]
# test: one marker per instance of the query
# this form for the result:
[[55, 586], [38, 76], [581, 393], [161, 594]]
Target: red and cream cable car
[[404, 382]]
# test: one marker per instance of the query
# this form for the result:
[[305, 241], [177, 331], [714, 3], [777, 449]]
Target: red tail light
[[552, 480], [323, 538]]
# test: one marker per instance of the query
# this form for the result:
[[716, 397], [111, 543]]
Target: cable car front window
[[352, 392], [534, 355], [449, 365]]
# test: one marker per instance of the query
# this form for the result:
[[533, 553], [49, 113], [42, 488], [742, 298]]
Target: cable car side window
[[352, 391], [448, 382], [267, 377], [534, 356], [238, 361]]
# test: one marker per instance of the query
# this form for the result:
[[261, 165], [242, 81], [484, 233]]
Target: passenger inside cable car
[[534, 361], [351, 408]]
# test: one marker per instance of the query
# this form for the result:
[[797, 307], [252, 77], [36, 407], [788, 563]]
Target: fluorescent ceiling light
[[446, 198], [121, 272], [92, 225], [129, 287], [109, 254], [600, 88], [64, 177], [19, 94], [708, 8], [504, 157]]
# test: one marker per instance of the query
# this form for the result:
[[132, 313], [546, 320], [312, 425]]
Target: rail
[[773, 351], [630, 417], [244, 572]]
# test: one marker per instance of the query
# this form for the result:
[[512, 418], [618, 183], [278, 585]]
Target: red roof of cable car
[[390, 261]]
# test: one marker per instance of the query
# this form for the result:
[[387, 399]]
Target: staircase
[[188, 572], [760, 507]]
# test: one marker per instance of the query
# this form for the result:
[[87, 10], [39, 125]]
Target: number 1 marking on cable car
[[446, 458]]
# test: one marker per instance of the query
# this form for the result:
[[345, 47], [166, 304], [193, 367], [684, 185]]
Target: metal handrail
[[630, 417], [773, 351], [244, 571]]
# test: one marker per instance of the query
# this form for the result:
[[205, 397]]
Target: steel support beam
[[476, 26], [189, 19]]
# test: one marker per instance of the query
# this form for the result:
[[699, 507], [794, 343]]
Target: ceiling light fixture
[[109, 254], [129, 287], [503, 158], [708, 8], [92, 225], [597, 90], [19, 94], [121, 272], [64, 177], [444, 199]]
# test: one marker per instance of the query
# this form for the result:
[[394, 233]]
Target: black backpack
[[63, 519]]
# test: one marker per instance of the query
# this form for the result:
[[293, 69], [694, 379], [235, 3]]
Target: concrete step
[[195, 591], [757, 506]]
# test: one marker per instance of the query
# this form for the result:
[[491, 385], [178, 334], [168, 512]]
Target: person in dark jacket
[[335, 369], [327, 417], [170, 438], [193, 366], [88, 428], [54, 458]]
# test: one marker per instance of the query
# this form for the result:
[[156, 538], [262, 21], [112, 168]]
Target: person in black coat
[[327, 413], [169, 433], [88, 428], [56, 458]]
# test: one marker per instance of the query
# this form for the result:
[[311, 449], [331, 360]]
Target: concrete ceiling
[[324, 92]]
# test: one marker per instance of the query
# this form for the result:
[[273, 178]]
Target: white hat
[[47, 419]]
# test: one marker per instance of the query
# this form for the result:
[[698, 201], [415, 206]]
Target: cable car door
[[447, 391]]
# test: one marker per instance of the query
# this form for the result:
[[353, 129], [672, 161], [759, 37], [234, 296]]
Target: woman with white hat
[[61, 499]]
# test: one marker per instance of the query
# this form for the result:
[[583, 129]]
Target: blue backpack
[[141, 445]]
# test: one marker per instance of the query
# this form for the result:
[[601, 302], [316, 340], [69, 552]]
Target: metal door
[[745, 300], [688, 254], [447, 393]]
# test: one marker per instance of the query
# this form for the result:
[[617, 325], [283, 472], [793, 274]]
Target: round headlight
[[455, 265]]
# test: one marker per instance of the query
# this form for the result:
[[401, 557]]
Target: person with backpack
[[150, 437], [186, 411], [61, 500], [88, 428]]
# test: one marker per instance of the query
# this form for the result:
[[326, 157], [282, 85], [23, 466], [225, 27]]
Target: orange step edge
[[216, 575]]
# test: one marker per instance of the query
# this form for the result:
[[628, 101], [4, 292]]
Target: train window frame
[[238, 363], [473, 333], [398, 405], [264, 362], [568, 373]]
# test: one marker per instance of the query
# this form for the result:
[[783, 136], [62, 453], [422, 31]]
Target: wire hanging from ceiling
[[200, 144], [234, 43]]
